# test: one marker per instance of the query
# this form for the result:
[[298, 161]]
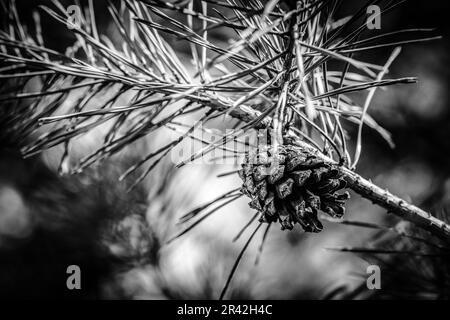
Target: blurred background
[[48, 221]]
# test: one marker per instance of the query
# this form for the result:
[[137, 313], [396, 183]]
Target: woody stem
[[385, 199], [396, 205], [360, 185]]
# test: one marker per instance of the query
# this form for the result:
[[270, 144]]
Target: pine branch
[[360, 185], [275, 75], [396, 205]]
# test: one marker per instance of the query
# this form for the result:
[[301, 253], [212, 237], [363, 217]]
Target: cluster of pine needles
[[281, 65]]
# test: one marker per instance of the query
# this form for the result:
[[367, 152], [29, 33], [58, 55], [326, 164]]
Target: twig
[[396, 205], [360, 185]]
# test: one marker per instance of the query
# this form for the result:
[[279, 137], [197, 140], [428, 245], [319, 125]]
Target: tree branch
[[360, 185], [396, 205]]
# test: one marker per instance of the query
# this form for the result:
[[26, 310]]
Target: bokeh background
[[48, 222]]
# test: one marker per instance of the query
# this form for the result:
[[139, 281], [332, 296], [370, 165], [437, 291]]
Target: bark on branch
[[396, 205]]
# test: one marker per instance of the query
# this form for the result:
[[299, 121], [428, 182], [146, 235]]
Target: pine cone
[[290, 186]]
